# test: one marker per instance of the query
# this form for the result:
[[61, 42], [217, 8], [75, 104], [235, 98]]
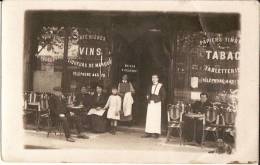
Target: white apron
[[153, 116]]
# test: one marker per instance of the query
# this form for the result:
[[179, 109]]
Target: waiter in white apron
[[156, 96]]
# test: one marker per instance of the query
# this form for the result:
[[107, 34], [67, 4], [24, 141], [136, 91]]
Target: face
[[125, 77], [203, 98], [57, 93], [83, 90], [99, 90], [155, 79], [114, 91]]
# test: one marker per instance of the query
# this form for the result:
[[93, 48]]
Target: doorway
[[146, 52]]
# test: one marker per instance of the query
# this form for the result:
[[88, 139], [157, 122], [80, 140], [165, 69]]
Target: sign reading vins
[[92, 59]]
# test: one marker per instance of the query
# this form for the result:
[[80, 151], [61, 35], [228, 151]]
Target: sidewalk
[[125, 138]]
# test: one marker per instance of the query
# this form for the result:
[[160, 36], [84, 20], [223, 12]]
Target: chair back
[[230, 117], [211, 114], [71, 98], [175, 112], [33, 97], [44, 101]]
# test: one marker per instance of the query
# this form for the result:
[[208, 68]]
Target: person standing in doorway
[[125, 91], [155, 97]]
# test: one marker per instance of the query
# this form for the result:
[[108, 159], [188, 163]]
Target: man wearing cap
[[59, 112]]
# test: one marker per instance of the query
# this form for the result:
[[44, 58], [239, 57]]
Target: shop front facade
[[191, 52]]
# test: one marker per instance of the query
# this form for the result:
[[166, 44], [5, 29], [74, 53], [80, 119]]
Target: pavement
[[126, 138]]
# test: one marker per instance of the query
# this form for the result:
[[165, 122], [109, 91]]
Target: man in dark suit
[[59, 112], [199, 107], [83, 98]]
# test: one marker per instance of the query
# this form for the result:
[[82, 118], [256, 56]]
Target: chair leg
[[169, 134], [49, 127], [180, 136], [60, 128], [203, 138]]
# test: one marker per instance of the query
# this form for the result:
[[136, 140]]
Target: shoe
[[156, 136], [146, 136], [82, 136], [70, 139]]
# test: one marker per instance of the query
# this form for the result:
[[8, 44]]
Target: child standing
[[114, 107]]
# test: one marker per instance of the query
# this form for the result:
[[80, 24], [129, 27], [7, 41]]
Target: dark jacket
[[198, 106], [57, 105], [156, 98], [85, 99], [98, 101]]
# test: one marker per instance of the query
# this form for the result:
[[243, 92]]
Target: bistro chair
[[52, 126], [210, 123], [31, 106], [44, 112], [71, 99], [175, 113], [229, 117]]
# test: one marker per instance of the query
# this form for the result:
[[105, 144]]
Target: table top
[[194, 115], [75, 107], [33, 103]]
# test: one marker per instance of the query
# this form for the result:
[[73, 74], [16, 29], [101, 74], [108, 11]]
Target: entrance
[[146, 52]]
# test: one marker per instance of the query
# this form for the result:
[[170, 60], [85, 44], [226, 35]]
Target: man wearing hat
[[59, 112]]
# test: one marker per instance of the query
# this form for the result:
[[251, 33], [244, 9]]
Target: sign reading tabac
[[214, 58]]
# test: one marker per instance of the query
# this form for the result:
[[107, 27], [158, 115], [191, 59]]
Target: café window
[[50, 51]]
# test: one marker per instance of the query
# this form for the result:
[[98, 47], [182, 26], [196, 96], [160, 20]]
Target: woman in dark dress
[[97, 115]]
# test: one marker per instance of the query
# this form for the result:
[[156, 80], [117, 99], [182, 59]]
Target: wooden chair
[[44, 112], [31, 106], [210, 123], [53, 127], [230, 116], [71, 99], [175, 113]]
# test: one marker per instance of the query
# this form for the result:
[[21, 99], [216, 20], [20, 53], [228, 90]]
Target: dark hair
[[156, 74], [204, 94], [114, 87], [99, 85]]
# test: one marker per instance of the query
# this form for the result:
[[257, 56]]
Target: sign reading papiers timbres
[[217, 60]]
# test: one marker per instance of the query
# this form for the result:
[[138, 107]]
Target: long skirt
[[153, 118]]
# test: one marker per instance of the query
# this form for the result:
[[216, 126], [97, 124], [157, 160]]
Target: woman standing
[[125, 91]]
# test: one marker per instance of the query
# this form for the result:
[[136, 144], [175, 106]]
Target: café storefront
[[192, 52]]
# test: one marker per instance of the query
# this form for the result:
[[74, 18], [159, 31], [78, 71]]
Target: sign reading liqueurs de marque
[[93, 58]]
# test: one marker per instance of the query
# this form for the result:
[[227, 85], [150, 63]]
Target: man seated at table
[[84, 98], [199, 107], [97, 115], [59, 112]]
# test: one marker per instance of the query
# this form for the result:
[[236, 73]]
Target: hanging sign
[[129, 68]]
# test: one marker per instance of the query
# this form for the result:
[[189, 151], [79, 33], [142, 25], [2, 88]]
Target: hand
[[98, 108], [117, 114], [61, 115], [72, 114]]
